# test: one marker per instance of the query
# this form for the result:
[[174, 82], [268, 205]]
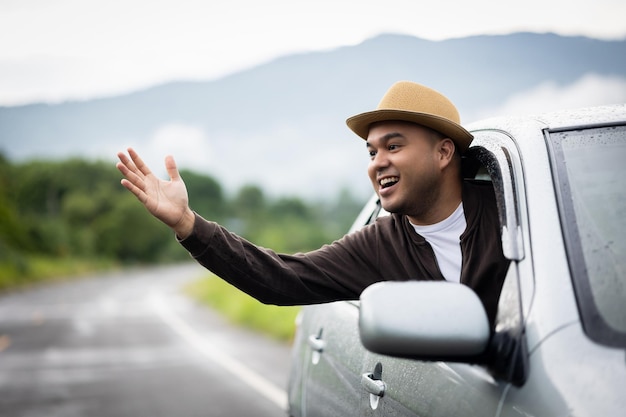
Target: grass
[[241, 309], [22, 272]]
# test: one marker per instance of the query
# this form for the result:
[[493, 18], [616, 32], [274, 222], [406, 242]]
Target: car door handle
[[373, 386], [316, 343]]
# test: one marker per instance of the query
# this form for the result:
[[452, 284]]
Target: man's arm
[[166, 200]]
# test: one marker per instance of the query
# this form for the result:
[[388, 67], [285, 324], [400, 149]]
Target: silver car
[[559, 347]]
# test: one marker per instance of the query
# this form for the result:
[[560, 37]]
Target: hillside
[[281, 124]]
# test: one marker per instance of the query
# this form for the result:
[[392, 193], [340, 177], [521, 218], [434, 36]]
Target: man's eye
[[372, 153], [393, 147]]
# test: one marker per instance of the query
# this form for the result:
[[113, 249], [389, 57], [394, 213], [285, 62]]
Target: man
[[441, 228]]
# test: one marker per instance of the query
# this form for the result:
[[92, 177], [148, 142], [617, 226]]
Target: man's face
[[404, 168]]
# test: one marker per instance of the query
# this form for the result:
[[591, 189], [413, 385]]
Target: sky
[[58, 50]]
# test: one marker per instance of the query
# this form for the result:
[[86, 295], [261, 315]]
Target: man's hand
[[166, 200]]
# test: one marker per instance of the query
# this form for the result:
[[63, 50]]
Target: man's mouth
[[388, 182]]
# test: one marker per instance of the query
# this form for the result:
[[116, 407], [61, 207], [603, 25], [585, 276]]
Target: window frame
[[593, 323]]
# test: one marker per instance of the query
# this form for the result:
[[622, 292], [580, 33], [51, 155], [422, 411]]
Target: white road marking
[[254, 380]]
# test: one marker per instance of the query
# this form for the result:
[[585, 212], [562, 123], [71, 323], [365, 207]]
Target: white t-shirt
[[445, 239]]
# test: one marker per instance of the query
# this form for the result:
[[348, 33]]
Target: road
[[130, 344]]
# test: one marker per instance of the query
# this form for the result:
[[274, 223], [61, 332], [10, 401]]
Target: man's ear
[[446, 150]]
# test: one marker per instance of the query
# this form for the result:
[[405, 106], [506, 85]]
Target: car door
[[332, 382], [405, 387], [325, 378]]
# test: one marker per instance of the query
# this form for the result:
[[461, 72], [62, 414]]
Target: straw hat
[[412, 102]]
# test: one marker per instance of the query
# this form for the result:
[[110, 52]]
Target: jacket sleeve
[[337, 271]]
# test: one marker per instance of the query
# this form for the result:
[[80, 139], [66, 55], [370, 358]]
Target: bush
[[241, 309]]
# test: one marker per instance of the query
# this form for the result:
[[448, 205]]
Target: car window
[[494, 157], [415, 387], [590, 177]]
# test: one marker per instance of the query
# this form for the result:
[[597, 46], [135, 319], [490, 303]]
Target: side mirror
[[429, 320]]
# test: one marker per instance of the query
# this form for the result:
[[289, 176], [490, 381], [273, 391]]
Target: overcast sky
[[54, 50]]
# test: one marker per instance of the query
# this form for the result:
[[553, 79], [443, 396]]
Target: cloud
[[72, 49], [590, 90], [289, 160], [189, 144], [280, 159]]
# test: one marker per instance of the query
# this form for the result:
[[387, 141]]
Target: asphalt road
[[129, 344]]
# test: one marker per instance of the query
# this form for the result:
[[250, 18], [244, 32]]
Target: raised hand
[[166, 200]]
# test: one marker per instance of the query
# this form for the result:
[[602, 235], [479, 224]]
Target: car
[[558, 348]]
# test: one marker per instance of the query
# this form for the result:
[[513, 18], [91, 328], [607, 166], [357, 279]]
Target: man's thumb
[[172, 170]]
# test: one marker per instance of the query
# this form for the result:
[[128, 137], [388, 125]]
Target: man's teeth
[[385, 182]]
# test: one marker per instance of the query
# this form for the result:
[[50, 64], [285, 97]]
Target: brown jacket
[[389, 249]]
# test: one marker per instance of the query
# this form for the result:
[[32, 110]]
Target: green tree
[[12, 232], [76, 209], [128, 233], [343, 211], [206, 196], [249, 201], [290, 207]]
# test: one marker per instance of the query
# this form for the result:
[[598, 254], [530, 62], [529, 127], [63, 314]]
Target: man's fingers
[[122, 166], [127, 167], [130, 175], [138, 192], [141, 166], [172, 170]]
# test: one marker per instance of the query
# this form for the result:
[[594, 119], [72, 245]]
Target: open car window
[[487, 162]]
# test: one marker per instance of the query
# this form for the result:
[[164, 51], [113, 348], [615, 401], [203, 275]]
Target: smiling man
[[440, 227], [416, 171]]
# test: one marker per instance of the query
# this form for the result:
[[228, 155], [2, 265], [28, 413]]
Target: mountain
[[282, 124]]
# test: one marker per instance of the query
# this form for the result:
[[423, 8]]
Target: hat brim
[[360, 124]]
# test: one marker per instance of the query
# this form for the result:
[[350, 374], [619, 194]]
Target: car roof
[[575, 118]]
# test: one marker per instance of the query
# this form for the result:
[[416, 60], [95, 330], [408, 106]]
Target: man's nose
[[379, 162]]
